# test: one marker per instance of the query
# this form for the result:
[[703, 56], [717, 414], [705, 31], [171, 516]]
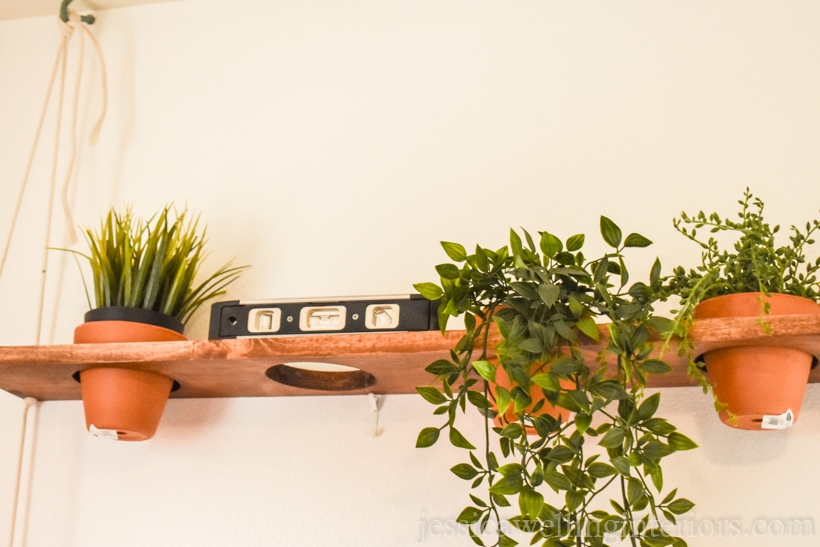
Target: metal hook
[[87, 19]]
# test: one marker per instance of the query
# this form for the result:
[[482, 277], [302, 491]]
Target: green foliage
[[755, 262], [152, 264], [544, 296]]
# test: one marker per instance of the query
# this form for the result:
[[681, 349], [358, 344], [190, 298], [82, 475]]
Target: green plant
[[544, 300], [152, 264], [755, 263]]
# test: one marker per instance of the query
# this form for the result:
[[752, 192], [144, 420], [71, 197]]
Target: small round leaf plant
[[547, 302], [753, 262]]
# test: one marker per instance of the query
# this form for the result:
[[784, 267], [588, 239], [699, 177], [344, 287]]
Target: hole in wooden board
[[320, 376], [175, 386]]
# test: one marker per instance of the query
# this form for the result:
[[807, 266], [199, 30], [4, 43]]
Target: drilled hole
[[320, 376], [174, 387]]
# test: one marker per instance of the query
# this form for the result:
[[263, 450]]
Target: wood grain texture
[[236, 368]]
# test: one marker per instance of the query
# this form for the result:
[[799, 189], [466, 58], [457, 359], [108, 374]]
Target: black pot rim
[[135, 315]]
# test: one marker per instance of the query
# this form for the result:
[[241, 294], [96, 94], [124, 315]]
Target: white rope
[[67, 30], [52, 187], [30, 162], [28, 403]]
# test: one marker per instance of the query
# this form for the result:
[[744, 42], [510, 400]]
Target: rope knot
[[67, 28]]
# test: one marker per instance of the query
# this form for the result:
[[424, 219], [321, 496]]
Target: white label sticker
[[784, 421], [103, 433]]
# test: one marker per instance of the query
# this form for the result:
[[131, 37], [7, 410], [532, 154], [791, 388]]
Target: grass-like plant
[[152, 264]]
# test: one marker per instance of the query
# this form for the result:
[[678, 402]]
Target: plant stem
[[628, 513]]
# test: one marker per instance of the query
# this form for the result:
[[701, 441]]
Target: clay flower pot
[[121, 403], [536, 394], [761, 386]]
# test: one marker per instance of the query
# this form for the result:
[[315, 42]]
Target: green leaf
[[455, 251], [550, 245], [548, 292], [477, 540], [613, 438], [530, 502], [656, 366], [546, 381], [427, 437], [636, 240], [582, 422], [574, 500], [457, 439], [679, 441], [532, 345], [656, 474], [659, 426], [681, 506], [515, 243], [634, 490], [565, 401], [601, 470], [610, 232], [502, 399], [622, 465], [561, 454], [512, 431], [564, 330], [486, 369], [588, 326], [557, 481], [655, 273], [649, 406], [441, 367], [656, 538], [508, 485], [464, 471], [447, 271], [566, 366], [657, 450], [430, 291], [612, 524], [478, 400], [469, 515], [432, 395], [575, 242], [511, 469]]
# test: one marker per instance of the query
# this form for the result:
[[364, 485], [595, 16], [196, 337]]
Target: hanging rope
[[69, 23], [28, 402]]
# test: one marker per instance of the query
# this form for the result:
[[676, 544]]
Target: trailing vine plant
[[544, 300]]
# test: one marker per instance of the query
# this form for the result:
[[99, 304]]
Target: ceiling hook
[[87, 19]]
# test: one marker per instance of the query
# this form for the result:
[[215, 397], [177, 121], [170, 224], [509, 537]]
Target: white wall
[[331, 145]]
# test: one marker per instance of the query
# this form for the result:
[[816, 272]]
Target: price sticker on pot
[[110, 434], [783, 421]]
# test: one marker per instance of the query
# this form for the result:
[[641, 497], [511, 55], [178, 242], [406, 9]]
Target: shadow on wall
[[746, 448], [187, 417]]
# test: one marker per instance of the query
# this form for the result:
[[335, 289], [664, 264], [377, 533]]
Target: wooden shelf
[[236, 368]]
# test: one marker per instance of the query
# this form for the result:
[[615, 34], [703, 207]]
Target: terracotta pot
[[122, 403], [537, 395], [757, 382]]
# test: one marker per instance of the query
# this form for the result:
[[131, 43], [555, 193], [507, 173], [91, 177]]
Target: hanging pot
[[761, 386], [122, 403]]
